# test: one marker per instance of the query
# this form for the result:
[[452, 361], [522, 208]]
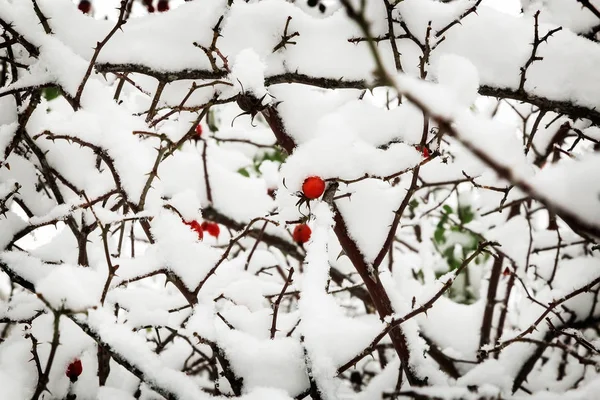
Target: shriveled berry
[[313, 187], [74, 370], [212, 228], [162, 6], [85, 6], [271, 192], [301, 233], [195, 226]]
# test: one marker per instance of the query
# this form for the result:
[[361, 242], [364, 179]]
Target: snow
[[460, 75], [222, 292], [265, 363], [109, 393], [568, 13], [7, 132], [18, 383], [72, 287], [177, 247], [249, 70], [490, 372], [316, 307], [362, 226], [133, 347], [572, 185]]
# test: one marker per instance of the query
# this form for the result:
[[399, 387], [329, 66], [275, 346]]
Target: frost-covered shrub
[[274, 199]]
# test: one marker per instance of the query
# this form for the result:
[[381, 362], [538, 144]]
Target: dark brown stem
[[471, 10], [206, 177], [379, 296], [120, 22], [44, 378], [396, 322], [486, 322], [41, 17], [152, 110], [389, 8], [286, 38], [287, 283], [548, 309], [256, 242]]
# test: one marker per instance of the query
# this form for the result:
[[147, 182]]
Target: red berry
[[195, 226], [424, 150], [163, 5], [506, 272], [313, 187], [212, 228], [74, 370], [301, 233], [198, 127], [85, 6], [271, 192]]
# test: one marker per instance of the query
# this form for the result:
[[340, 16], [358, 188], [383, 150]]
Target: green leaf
[[454, 264], [438, 235], [211, 120], [465, 214], [448, 209], [51, 93], [413, 204], [242, 171]]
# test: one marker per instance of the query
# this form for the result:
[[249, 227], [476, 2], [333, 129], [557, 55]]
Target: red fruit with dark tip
[[301, 233], [163, 5], [424, 150], [85, 6], [195, 226], [74, 370], [212, 228], [313, 187], [198, 128]]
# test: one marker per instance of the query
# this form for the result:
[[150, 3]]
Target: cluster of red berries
[[312, 188], [74, 370], [210, 227]]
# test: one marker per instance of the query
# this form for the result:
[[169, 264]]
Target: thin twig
[[288, 281], [120, 22]]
